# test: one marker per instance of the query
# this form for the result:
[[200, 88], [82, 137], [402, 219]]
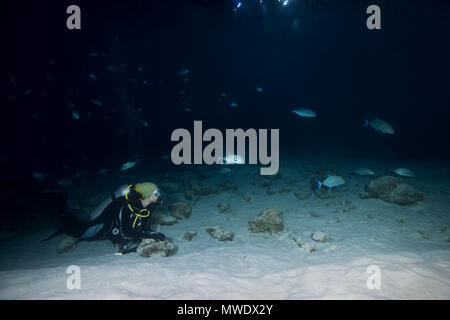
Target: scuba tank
[[97, 211]]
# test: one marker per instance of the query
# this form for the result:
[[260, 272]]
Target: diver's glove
[[154, 235]]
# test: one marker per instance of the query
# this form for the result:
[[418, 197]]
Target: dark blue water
[[315, 54]]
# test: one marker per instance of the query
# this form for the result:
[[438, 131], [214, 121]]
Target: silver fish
[[302, 112], [405, 172], [379, 125], [331, 181], [183, 72], [75, 114], [364, 172], [39, 176], [129, 165], [97, 102]]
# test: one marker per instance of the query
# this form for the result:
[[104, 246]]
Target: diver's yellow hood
[[146, 189]]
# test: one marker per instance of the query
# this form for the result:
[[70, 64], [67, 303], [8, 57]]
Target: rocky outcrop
[[164, 219], [392, 190], [269, 220], [224, 207], [67, 244], [193, 190], [189, 235], [319, 236], [151, 247], [245, 197], [180, 210], [220, 234]]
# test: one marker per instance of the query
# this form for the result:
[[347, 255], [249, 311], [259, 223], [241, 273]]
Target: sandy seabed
[[409, 244]]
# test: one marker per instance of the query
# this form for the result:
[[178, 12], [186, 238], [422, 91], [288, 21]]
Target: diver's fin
[[366, 122], [54, 234]]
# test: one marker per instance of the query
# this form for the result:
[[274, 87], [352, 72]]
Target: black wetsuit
[[116, 223]]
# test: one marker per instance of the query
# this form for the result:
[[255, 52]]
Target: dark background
[[316, 54]]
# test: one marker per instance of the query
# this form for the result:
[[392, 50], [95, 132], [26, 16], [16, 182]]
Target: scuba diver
[[123, 219]]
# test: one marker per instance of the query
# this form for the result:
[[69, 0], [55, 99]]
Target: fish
[[129, 165], [305, 113], [182, 92], [379, 125], [117, 67], [145, 82], [79, 174], [75, 114], [233, 159], [183, 72], [93, 76], [65, 183], [140, 69], [186, 79], [94, 54], [188, 109], [364, 172], [405, 172], [39, 176], [51, 61], [225, 170], [259, 89], [234, 104], [102, 171], [165, 157], [97, 102], [331, 181], [223, 94], [144, 123]]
